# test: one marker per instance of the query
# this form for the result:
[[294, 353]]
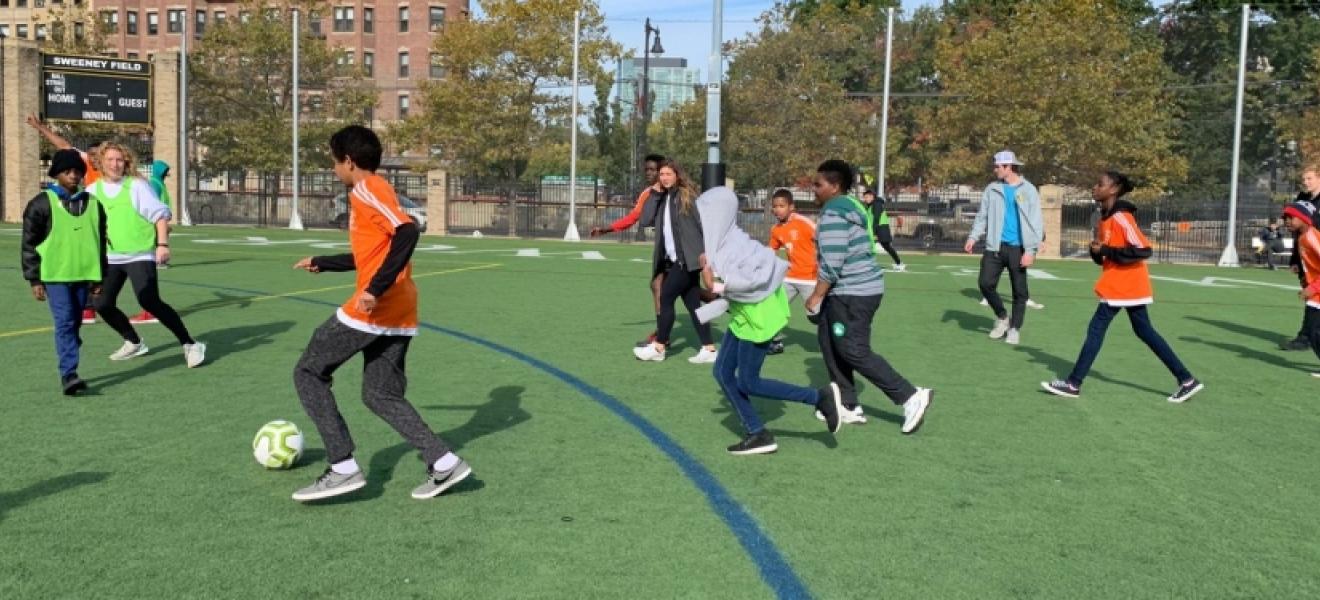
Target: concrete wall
[[165, 114], [22, 85]]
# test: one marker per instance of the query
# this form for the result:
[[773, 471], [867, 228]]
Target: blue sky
[[685, 24]]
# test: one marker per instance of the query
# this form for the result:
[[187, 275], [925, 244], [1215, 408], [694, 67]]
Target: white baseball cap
[[1006, 157]]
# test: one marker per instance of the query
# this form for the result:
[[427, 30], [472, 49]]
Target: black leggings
[[680, 283], [143, 275]]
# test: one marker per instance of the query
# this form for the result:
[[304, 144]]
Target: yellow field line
[[19, 332]]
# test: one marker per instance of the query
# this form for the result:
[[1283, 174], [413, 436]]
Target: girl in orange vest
[[1121, 251]]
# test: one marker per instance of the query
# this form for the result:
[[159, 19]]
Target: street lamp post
[[645, 104]]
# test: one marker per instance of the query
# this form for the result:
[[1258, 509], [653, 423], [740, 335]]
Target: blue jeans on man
[[738, 371], [66, 301]]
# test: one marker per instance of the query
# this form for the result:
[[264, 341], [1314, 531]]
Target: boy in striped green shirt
[[848, 291]]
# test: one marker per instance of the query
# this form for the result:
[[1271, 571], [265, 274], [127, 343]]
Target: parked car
[[415, 212]]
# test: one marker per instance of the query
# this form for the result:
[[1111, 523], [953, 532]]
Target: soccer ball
[[278, 445]]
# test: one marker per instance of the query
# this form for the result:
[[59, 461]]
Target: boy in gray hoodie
[[750, 278]]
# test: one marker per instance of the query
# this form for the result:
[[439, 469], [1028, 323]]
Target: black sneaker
[[1297, 343], [1186, 391], [646, 342], [1061, 387], [73, 384], [830, 405], [775, 348], [761, 442]]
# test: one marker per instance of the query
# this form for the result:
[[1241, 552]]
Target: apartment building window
[[368, 20], [244, 16], [437, 18], [131, 22], [403, 19], [4, 30], [201, 24], [403, 65], [153, 23], [314, 22], [175, 24], [21, 31], [437, 69], [110, 21], [57, 31], [79, 32], [403, 106], [219, 17], [369, 114], [369, 63], [343, 18], [41, 31], [346, 58], [132, 56]]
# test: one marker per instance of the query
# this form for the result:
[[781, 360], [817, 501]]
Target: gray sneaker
[[439, 481], [331, 484], [1000, 328], [1013, 337]]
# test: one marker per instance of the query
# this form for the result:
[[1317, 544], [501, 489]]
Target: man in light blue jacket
[[1011, 223]]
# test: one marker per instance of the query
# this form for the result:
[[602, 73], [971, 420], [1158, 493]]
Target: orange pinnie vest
[[1308, 244], [1123, 284], [798, 235], [374, 215]]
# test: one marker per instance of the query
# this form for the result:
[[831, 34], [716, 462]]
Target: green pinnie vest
[[72, 251], [127, 232]]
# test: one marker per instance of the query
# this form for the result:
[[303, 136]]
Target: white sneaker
[[130, 350], [848, 417], [1033, 304], [649, 352], [984, 302], [900, 268], [1013, 337], [194, 354], [914, 410], [1316, 374], [1000, 328], [703, 357]]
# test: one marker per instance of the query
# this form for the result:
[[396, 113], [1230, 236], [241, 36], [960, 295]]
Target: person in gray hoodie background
[[1012, 225], [750, 278]]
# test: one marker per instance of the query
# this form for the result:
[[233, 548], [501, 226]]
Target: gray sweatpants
[[383, 386]]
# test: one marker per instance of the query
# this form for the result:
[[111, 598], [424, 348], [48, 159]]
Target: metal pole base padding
[[712, 175]]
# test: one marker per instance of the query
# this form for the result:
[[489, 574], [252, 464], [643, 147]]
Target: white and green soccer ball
[[278, 445]]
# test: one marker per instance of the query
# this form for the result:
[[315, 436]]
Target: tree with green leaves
[[1073, 86], [507, 71], [241, 90]]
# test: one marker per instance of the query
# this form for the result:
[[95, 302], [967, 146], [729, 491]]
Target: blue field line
[[775, 571]]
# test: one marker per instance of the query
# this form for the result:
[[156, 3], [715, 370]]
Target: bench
[[1258, 247]]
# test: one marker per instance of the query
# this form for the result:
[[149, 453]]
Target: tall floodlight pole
[[884, 110], [572, 234], [295, 221], [184, 218], [712, 172], [645, 104], [1230, 257]]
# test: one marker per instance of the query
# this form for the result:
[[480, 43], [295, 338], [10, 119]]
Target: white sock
[[445, 463], [346, 467]]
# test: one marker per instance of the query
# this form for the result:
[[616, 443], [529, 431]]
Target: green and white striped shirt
[[844, 250]]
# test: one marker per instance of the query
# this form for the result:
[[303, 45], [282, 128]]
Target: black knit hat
[[65, 160]]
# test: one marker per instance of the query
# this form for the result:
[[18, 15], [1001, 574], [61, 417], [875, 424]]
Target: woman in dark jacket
[[678, 250]]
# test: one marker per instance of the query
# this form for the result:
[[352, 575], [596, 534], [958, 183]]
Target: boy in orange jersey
[[378, 321], [1300, 218], [1121, 250], [796, 234]]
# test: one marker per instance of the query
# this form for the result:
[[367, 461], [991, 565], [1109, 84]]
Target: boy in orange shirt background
[[796, 234], [379, 321]]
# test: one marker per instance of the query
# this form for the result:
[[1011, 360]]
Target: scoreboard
[[95, 89]]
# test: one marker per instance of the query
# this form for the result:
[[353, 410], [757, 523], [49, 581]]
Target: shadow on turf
[[221, 300], [503, 411], [1272, 358], [220, 343], [968, 321], [1272, 337], [1060, 367], [11, 500]]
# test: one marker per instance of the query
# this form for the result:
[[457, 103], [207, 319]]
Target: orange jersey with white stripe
[[374, 215], [92, 174], [798, 235], [1123, 284], [1308, 244]]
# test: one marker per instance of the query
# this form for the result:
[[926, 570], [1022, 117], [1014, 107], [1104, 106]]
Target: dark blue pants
[[738, 371], [1140, 317], [66, 301]]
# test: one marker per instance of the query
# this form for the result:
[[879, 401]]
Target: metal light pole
[[295, 221], [572, 234], [884, 111], [712, 171], [1230, 257], [184, 218], [647, 51]]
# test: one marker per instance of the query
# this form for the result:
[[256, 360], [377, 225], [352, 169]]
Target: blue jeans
[[66, 301], [1140, 317], [738, 371]]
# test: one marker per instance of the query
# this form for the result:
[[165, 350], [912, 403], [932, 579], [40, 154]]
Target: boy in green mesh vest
[[64, 256]]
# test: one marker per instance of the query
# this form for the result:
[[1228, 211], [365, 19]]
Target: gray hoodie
[[750, 270]]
